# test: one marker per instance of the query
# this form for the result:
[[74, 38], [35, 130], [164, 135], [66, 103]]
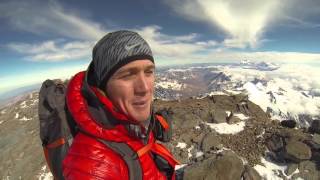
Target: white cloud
[[243, 21], [244, 26], [291, 79], [54, 50], [268, 56], [43, 18], [174, 47]]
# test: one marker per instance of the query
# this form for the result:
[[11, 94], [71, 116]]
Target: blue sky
[[54, 39]]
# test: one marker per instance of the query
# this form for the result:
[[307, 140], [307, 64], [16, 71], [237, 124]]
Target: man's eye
[[149, 71], [126, 75]]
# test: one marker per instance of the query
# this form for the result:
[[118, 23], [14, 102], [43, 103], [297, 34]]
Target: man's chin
[[141, 115]]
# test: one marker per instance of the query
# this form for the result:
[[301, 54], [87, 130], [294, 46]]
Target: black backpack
[[57, 129], [55, 122]]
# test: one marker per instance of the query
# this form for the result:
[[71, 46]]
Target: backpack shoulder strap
[[163, 125], [128, 155]]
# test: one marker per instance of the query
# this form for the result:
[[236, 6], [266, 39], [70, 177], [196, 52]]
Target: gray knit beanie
[[113, 51]]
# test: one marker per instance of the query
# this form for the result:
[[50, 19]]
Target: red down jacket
[[88, 158]]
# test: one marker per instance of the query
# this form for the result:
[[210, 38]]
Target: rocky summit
[[215, 137]]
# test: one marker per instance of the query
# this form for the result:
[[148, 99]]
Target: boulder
[[243, 108], [197, 170], [233, 120], [288, 123], [297, 151], [209, 141], [307, 170], [306, 176], [250, 174], [307, 166], [316, 138], [275, 143], [218, 116], [292, 167], [315, 126], [227, 167], [214, 168]]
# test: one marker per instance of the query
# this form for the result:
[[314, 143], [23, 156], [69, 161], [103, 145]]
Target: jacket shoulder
[[88, 158]]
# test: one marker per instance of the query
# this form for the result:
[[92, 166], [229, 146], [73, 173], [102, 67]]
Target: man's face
[[131, 88]]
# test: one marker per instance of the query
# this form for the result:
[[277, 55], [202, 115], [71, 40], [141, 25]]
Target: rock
[[227, 167], [313, 144], [210, 141], [291, 168], [233, 120], [215, 169], [240, 97], [308, 170], [306, 176], [316, 156], [198, 139], [288, 123], [219, 116], [243, 108], [250, 174], [307, 166], [297, 151], [315, 126], [197, 170], [182, 156], [316, 138], [275, 143]]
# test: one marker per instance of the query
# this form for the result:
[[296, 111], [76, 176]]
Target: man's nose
[[142, 85]]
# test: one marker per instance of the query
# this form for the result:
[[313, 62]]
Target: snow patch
[[216, 93], [197, 127], [225, 128], [189, 151], [23, 105], [24, 118], [35, 101], [270, 170], [3, 111], [1, 122], [199, 153], [241, 116], [44, 175], [262, 133], [17, 116], [180, 166], [170, 85], [181, 145], [228, 113]]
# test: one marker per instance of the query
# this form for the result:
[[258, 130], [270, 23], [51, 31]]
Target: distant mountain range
[[277, 92], [15, 95]]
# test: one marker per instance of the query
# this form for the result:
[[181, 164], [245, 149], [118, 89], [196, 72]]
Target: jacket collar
[[79, 107]]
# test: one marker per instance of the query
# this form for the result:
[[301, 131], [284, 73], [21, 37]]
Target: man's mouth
[[139, 103]]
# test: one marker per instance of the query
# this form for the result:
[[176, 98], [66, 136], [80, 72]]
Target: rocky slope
[[216, 137]]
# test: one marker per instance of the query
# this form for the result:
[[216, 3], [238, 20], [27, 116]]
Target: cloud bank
[[243, 22], [50, 18]]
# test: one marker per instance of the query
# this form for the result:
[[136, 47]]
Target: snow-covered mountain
[[285, 92], [262, 66]]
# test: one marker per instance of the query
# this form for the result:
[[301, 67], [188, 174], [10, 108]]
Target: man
[[111, 104]]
